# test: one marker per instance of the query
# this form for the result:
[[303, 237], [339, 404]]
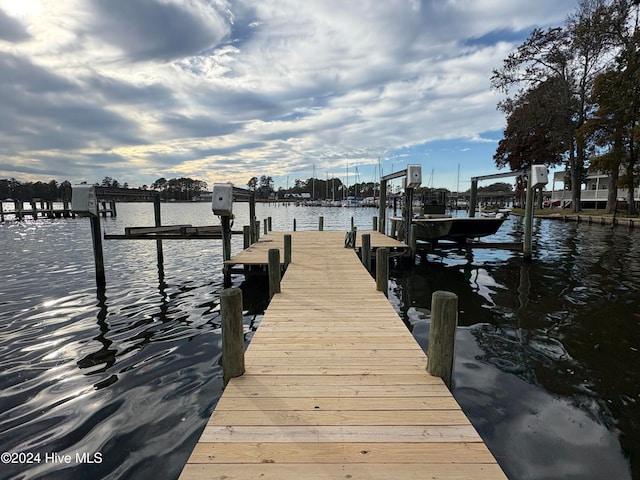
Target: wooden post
[[365, 251], [382, 208], [408, 214], [382, 270], [269, 223], [287, 249], [412, 237], [1, 212], [246, 232], [98, 258], [113, 208], [375, 224], [352, 224], [226, 237], [442, 335], [473, 198], [321, 223], [294, 224], [158, 223], [17, 208], [232, 333], [252, 218], [34, 210], [274, 271], [266, 226], [256, 227], [528, 221]]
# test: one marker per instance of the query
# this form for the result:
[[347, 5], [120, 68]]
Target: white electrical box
[[84, 201], [222, 203], [414, 176], [539, 176]]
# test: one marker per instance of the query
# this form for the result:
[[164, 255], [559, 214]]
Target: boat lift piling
[[86, 199], [537, 177], [412, 177]]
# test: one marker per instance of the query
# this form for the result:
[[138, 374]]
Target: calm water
[[547, 363]]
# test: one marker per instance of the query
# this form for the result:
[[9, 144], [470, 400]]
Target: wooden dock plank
[[335, 385], [339, 417], [355, 471], [335, 380], [355, 452], [337, 403], [340, 433]]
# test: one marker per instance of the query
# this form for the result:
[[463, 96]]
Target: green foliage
[[179, 189], [550, 77], [27, 191], [497, 187]]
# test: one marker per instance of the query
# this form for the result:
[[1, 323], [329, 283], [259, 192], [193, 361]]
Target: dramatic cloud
[[224, 90]]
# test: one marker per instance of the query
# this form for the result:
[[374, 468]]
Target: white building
[[595, 191]]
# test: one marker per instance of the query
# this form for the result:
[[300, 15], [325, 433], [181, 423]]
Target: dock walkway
[[336, 387]]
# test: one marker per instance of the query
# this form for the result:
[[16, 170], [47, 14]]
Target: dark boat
[[433, 224], [456, 229]]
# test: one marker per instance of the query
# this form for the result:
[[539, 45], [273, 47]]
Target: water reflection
[[547, 358], [546, 365]]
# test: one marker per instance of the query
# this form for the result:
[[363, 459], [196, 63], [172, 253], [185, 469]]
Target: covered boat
[[459, 229]]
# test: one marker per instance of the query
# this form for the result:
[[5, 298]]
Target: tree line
[[319, 189], [335, 189], [573, 98], [26, 191], [179, 189]]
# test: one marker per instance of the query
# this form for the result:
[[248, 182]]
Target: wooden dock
[[335, 385]]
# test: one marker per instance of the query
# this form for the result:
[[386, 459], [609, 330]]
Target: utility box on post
[[539, 176], [414, 176], [222, 203], [84, 201]]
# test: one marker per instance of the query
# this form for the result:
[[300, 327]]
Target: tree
[[571, 57], [64, 191], [265, 187], [110, 182], [612, 131], [253, 184], [184, 189], [537, 130]]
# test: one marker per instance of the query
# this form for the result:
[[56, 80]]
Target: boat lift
[[413, 179], [538, 176]]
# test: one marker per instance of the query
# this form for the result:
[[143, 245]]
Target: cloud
[[12, 30], [160, 30], [229, 89]]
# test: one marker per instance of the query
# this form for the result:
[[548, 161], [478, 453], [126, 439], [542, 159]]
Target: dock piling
[[444, 320], [246, 232], [274, 271], [287, 249], [321, 223], [232, 333], [528, 222], [365, 251], [98, 258], [413, 231], [382, 270], [158, 223]]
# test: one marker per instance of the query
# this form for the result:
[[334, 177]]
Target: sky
[[224, 90]]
